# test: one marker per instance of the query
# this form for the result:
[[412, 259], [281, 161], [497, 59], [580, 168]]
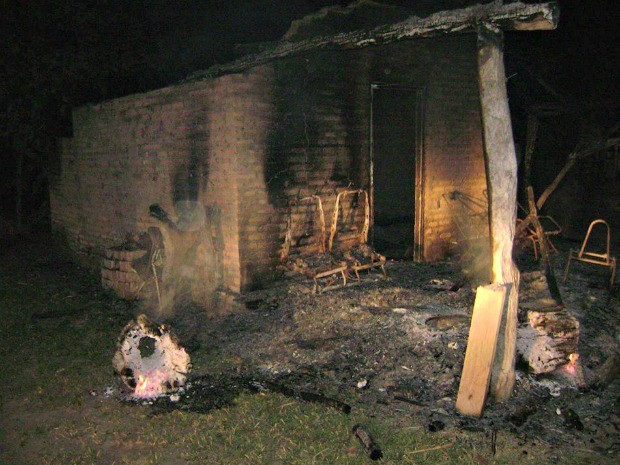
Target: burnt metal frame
[[594, 258]]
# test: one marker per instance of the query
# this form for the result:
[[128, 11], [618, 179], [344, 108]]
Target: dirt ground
[[377, 346], [381, 344]]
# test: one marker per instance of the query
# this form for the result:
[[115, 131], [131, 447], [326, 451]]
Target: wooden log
[[607, 373], [548, 333], [481, 345], [502, 185], [373, 451], [149, 359], [547, 338]]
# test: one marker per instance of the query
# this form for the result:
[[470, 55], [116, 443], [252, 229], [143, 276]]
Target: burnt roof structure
[[302, 35]]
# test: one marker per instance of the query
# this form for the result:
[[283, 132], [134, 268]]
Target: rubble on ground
[[395, 345]]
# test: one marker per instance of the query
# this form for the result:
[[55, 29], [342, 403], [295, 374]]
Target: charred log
[[548, 337], [548, 332], [301, 395], [607, 373], [373, 451]]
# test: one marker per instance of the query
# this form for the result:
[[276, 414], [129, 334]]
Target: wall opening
[[396, 170]]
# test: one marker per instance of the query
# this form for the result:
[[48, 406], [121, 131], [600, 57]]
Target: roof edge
[[515, 16]]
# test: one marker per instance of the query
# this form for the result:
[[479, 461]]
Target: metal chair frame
[[594, 258]]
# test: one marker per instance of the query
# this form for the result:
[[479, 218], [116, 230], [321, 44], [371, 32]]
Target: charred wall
[[319, 144], [171, 147], [253, 148]]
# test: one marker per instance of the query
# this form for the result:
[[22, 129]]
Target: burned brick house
[[363, 123]]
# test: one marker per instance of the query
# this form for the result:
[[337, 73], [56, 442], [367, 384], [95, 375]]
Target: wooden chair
[[595, 258]]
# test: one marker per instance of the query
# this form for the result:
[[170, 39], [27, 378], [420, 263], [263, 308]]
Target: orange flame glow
[[570, 366], [151, 384]]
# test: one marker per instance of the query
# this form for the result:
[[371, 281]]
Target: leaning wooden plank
[[480, 353]]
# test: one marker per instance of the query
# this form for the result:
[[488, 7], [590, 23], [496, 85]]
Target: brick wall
[[177, 144], [252, 147], [318, 144]]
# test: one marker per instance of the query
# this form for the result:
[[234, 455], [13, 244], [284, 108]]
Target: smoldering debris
[[150, 360], [394, 347]]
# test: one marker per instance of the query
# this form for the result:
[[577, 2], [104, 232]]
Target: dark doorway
[[395, 146]]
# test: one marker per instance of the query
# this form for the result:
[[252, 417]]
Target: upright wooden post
[[501, 164]]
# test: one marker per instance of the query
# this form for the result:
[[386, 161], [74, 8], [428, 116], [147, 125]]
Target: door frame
[[418, 226]]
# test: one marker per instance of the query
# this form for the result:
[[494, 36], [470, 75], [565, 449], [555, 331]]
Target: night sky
[[59, 54]]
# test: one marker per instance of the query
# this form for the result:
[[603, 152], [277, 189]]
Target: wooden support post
[[501, 164]]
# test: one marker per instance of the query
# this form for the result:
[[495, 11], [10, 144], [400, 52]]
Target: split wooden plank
[[480, 353]]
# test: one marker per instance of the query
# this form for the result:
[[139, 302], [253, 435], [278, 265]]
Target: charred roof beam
[[510, 17]]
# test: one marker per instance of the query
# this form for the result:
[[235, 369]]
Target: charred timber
[[373, 451], [301, 395], [607, 373], [511, 17]]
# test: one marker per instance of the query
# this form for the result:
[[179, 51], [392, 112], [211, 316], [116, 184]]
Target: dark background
[[60, 54]]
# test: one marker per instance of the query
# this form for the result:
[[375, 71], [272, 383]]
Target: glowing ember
[[150, 360], [151, 384], [571, 365]]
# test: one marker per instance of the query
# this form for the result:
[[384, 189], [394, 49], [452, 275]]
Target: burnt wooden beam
[[513, 17], [501, 164], [595, 147], [372, 449], [576, 155]]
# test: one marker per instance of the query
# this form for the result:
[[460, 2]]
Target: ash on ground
[[395, 347]]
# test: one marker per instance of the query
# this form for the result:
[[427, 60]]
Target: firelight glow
[[151, 384], [570, 366]]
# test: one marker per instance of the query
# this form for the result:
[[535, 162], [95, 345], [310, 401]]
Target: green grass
[[49, 416]]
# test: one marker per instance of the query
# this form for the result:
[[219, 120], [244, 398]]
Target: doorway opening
[[396, 170]]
